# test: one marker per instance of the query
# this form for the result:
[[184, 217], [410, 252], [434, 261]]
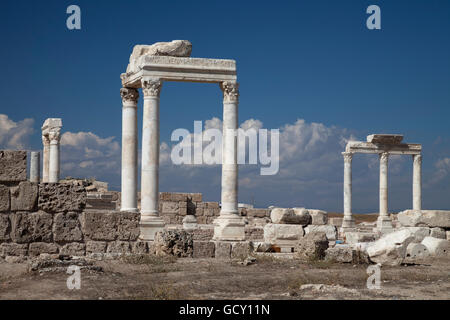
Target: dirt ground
[[267, 278]]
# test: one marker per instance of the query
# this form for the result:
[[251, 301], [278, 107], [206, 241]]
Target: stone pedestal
[[35, 159], [229, 225], [129, 149], [384, 223], [417, 182]]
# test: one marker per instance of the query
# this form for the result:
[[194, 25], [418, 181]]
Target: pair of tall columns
[[51, 159], [229, 226]]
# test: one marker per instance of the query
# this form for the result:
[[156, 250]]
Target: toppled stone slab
[[67, 227], [329, 230], [416, 251], [340, 253], [419, 233], [24, 196], [178, 243], [5, 202], [312, 246], [437, 247], [424, 218], [13, 166], [59, 197], [290, 216], [318, 217], [31, 227], [282, 233], [438, 233], [391, 248], [355, 237]]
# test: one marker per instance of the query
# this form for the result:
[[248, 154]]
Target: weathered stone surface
[[13, 166], [424, 218], [448, 235], [13, 249], [223, 250], [67, 227], [290, 216], [274, 233], [190, 222], [437, 247], [438, 233], [329, 230], [31, 227], [312, 246], [99, 225], [95, 246], [241, 250], [24, 196], [178, 243], [416, 251], [340, 253], [391, 248], [203, 249], [419, 233], [337, 222], [128, 226], [5, 202], [37, 248], [139, 247], [61, 197], [5, 227], [203, 234], [355, 237], [318, 217], [385, 138], [119, 247], [73, 249]]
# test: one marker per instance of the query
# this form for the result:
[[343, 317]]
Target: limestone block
[[60, 197], [425, 218], [139, 247], [172, 242], [13, 249], [73, 249], [437, 247], [119, 247], [318, 217], [416, 251], [128, 226], [241, 250], [419, 233], [36, 248], [290, 216], [340, 253], [189, 222], [274, 233], [330, 231], [337, 222], [438, 233], [212, 205], [259, 213], [95, 247], [5, 227], [222, 250], [356, 237], [31, 227], [312, 246], [99, 225], [24, 196], [391, 248], [203, 249], [67, 227], [5, 202], [195, 197], [203, 234], [13, 166], [170, 207]]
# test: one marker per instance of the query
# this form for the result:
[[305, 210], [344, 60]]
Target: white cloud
[[15, 135]]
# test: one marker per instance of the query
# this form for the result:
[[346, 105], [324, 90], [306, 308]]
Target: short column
[[417, 182], [229, 225], [45, 158], [129, 178], [54, 137], [348, 222], [35, 158], [151, 223], [384, 223]]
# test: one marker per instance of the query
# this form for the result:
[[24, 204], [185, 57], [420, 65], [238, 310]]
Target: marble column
[[53, 176], [417, 182], [384, 223], [45, 158], [229, 225], [129, 174], [348, 222], [35, 174], [151, 223]]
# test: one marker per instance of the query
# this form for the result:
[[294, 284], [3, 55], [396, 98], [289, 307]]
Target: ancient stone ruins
[[49, 216]]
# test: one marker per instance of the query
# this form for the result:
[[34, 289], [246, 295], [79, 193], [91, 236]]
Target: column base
[[134, 210], [348, 225], [384, 225], [229, 227], [149, 228]]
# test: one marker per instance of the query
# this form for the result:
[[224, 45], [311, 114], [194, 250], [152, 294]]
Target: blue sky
[[310, 60]]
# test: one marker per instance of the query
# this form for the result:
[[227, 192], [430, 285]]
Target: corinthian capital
[[348, 156], [129, 95], [230, 91], [384, 156], [54, 136], [417, 158], [45, 140], [151, 87]]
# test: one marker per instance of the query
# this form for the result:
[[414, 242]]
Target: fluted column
[[54, 137], [229, 225], [35, 159], [348, 221], [417, 182], [129, 176], [384, 222], [151, 223], [45, 158]]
